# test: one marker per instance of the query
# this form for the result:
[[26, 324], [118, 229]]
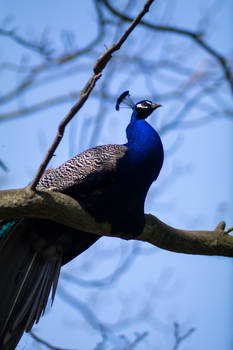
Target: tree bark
[[25, 203]]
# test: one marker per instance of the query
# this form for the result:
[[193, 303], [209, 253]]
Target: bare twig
[[45, 104], [104, 94], [197, 37], [26, 83], [106, 56], [139, 338], [3, 165], [195, 99], [83, 97], [52, 63], [180, 338], [45, 343], [80, 306], [106, 329], [109, 280], [98, 68], [40, 48]]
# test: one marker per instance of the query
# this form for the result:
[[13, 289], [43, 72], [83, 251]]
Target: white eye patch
[[144, 104]]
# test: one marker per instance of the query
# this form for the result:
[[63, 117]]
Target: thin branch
[[26, 83], [87, 313], [3, 166], [194, 100], [197, 37], [51, 63], [107, 55], [180, 338], [106, 329], [109, 280], [45, 104], [99, 66], [45, 343], [139, 338], [40, 48], [105, 95], [83, 97]]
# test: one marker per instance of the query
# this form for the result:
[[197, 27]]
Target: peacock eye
[[147, 104], [144, 104]]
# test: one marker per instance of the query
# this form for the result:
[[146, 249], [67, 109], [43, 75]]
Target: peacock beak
[[155, 105]]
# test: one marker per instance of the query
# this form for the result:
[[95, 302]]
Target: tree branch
[[180, 338], [61, 129], [40, 106], [65, 210], [196, 36], [99, 66], [53, 62], [45, 343], [40, 48]]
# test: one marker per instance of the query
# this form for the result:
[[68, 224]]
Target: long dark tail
[[25, 283], [31, 254]]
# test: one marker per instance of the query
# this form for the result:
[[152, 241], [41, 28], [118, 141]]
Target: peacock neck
[[145, 149], [141, 135]]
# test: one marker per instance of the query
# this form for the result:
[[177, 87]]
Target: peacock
[[111, 183]]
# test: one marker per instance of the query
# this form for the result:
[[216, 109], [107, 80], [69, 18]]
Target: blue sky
[[197, 290]]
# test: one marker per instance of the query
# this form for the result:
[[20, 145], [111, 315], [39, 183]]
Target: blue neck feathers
[[145, 148]]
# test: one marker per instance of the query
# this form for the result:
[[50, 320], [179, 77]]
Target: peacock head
[[142, 108], [145, 108]]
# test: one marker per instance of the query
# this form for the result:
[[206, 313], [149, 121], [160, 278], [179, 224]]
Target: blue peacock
[[111, 183]]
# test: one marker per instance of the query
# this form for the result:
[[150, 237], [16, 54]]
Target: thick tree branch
[[99, 66], [63, 209]]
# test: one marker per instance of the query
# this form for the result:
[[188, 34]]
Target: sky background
[[195, 291]]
